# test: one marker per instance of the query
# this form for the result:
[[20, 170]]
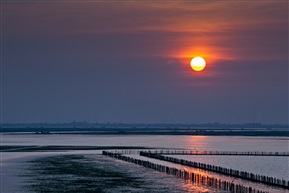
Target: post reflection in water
[[189, 185], [193, 187]]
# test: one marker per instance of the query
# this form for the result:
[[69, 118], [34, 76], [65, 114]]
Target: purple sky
[[128, 61]]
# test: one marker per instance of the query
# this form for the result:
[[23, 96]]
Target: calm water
[[271, 166], [220, 143], [277, 167]]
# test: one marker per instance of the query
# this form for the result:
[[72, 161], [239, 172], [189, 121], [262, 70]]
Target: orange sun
[[198, 63]]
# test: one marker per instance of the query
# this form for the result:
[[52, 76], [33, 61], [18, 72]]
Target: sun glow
[[198, 63]]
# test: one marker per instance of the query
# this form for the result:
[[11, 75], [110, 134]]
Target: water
[[272, 166], [263, 165], [258, 186], [214, 143]]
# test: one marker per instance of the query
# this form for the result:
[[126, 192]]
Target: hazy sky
[[128, 61]]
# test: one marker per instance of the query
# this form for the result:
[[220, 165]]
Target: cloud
[[44, 18], [218, 30]]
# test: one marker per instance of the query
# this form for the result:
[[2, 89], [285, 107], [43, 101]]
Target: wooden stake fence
[[195, 178], [225, 171]]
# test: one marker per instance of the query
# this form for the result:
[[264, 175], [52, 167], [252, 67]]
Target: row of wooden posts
[[230, 172], [193, 152], [244, 153], [193, 177]]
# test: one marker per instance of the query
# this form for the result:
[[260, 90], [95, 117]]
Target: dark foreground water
[[94, 173]]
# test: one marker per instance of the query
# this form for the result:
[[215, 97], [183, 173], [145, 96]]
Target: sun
[[198, 63]]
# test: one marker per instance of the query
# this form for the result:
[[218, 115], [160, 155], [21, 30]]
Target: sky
[[129, 61]]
